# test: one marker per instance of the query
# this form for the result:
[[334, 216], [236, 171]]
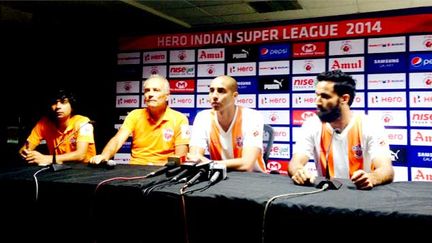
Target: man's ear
[[235, 94], [345, 98]]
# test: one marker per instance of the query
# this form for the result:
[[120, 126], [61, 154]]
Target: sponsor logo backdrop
[[276, 68]]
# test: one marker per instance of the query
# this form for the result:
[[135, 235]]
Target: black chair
[[268, 138]]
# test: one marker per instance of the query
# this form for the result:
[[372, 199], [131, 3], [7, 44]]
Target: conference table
[[64, 206]]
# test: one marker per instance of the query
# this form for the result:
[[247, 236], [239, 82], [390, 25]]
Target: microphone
[[204, 168], [185, 169], [200, 173], [331, 184], [58, 167], [219, 172], [168, 166]]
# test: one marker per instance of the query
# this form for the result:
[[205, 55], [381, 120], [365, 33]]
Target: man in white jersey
[[352, 146], [232, 134]]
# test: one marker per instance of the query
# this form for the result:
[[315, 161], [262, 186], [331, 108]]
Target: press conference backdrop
[[389, 54]]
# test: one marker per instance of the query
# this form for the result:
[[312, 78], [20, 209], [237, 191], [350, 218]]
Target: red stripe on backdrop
[[417, 23]]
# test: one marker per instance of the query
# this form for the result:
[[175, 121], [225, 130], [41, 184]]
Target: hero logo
[[308, 100], [280, 134], [307, 114], [428, 43], [245, 101], [149, 57], [346, 48], [308, 48], [241, 69], [175, 100], [418, 99], [127, 101], [181, 84], [203, 100], [266, 100], [274, 165], [395, 136], [387, 99]]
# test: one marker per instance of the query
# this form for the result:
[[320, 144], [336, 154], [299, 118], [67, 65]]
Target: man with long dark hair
[[69, 134]]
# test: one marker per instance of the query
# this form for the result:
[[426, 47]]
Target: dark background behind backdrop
[[48, 45]]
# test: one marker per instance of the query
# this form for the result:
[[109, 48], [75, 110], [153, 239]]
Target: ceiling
[[137, 17], [191, 13]]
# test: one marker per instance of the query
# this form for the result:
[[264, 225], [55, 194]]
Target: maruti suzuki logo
[[181, 84], [308, 48]]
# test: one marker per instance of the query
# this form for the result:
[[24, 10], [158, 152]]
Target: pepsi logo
[[264, 51], [416, 61]]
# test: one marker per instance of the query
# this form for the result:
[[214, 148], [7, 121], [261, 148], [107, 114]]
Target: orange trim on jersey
[[355, 152], [215, 147], [326, 137], [215, 144], [237, 135]]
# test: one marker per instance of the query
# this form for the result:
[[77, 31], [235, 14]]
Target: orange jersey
[[78, 130], [153, 143]]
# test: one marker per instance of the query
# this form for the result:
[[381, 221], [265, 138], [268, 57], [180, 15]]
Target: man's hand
[[302, 176], [97, 159], [33, 156], [362, 180]]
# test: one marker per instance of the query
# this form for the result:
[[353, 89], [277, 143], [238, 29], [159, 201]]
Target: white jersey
[[246, 130], [354, 148]]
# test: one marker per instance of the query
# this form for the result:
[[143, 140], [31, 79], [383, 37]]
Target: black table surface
[[232, 210]]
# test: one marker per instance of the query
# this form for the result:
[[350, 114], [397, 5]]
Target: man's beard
[[330, 115]]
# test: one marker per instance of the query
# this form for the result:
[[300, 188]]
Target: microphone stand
[[59, 167], [331, 184]]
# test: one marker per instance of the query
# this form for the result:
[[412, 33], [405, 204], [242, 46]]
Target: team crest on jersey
[[239, 142], [167, 134], [357, 150]]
